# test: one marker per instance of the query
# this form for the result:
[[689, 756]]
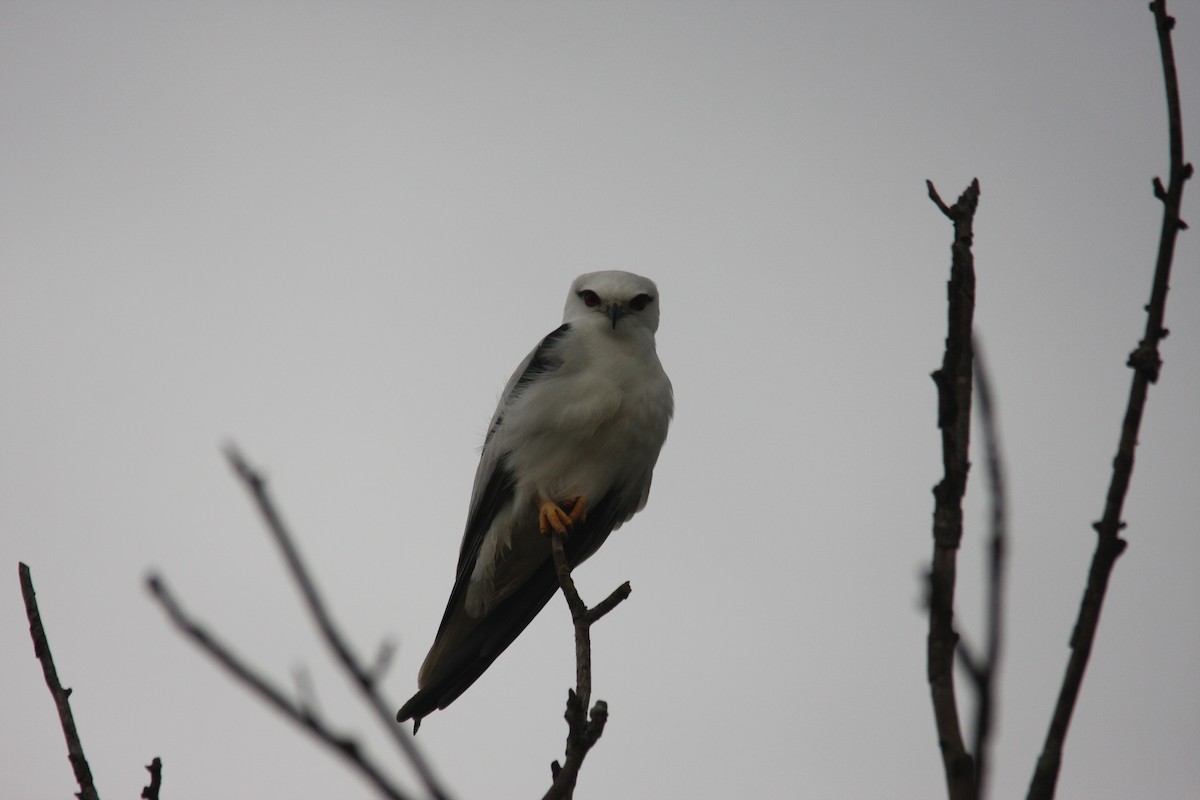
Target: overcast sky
[[329, 232]]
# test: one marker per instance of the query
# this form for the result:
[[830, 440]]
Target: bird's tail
[[452, 671]]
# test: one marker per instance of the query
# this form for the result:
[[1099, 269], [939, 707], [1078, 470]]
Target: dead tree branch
[[304, 713], [1145, 362], [582, 732], [150, 792], [954, 419], [983, 671], [41, 649], [366, 680], [345, 746]]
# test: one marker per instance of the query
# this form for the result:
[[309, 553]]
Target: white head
[[618, 300]]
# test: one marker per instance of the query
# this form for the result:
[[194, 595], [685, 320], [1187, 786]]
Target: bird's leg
[[559, 519]]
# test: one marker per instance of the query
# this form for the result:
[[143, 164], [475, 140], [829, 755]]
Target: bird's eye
[[640, 302], [589, 298]]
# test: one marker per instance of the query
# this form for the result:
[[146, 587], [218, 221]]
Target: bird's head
[[620, 299]]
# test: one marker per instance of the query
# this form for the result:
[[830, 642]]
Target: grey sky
[[330, 231]]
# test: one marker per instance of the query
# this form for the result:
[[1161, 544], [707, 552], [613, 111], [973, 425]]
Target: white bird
[[571, 449]]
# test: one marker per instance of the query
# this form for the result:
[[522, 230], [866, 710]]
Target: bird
[[570, 450]]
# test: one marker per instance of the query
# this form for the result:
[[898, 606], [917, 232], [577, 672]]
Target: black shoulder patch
[[544, 358]]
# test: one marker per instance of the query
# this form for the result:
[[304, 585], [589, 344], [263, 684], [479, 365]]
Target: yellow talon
[[553, 518]]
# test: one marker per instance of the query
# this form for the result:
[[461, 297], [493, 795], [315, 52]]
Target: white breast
[[597, 422]]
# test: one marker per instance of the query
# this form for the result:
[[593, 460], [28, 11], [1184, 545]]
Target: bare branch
[[618, 596], [986, 669], [345, 746], [41, 649], [937, 199], [1146, 363], [582, 732], [364, 678], [954, 417], [150, 792]]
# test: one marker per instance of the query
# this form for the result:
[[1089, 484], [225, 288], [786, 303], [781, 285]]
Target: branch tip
[[61, 696], [954, 384], [150, 792], [936, 198]]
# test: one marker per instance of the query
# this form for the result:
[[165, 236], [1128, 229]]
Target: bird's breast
[[594, 429]]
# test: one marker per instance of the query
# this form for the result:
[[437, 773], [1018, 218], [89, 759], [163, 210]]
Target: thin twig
[[365, 679], [582, 732], [986, 669], [1146, 363], [619, 595], [345, 746], [954, 419], [41, 649], [150, 792]]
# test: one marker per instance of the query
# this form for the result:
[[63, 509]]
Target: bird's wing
[[494, 481], [470, 658]]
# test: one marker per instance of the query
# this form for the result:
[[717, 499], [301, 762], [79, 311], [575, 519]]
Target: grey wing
[[493, 481]]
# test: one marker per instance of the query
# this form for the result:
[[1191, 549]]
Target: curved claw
[[576, 507]]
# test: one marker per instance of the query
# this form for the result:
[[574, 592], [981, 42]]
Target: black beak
[[615, 312]]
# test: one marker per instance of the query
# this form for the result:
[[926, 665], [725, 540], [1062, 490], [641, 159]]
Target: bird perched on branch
[[570, 451]]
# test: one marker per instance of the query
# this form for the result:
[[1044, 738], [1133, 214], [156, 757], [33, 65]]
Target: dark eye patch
[[589, 298]]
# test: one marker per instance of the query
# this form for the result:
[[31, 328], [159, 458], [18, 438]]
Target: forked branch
[[582, 732], [304, 713], [345, 746], [364, 679]]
